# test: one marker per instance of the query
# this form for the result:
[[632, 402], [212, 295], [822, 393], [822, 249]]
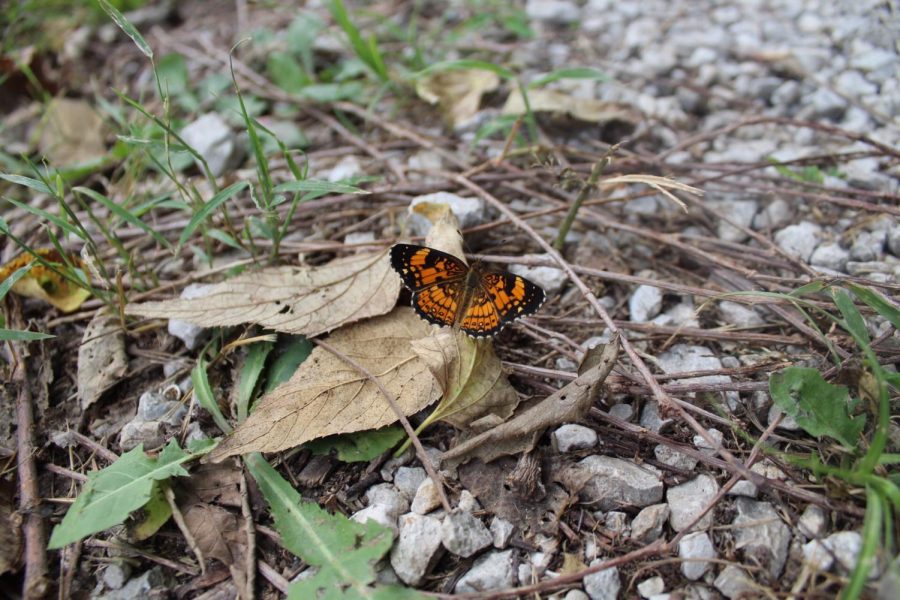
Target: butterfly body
[[474, 299]]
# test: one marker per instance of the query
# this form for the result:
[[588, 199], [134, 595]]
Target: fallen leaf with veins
[[44, 283], [305, 300], [457, 92], [101, 357], [327, 395], [218, 534], [471, 375], [561, 104], [521, 433]]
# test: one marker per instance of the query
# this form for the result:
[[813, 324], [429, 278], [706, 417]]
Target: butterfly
[[447, 292]]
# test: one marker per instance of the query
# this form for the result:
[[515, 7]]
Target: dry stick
[[658, 393], [274, 577], [420, 451], [185, 530], [250, 532], [36, 580]]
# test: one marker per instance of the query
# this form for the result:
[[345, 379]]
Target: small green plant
[[112, 494], [822, 408]]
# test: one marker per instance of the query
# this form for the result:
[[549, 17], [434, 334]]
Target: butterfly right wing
[[421, 267]]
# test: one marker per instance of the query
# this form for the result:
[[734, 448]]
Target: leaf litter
[[101, 357]]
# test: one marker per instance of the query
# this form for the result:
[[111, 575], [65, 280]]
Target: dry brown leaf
[[301, 300], [72, 133], [217, 533], [327, 396], [471, 375], [457, 92], [101, 357], [582, 109], [46, 284], [522, 432], [217, 483]]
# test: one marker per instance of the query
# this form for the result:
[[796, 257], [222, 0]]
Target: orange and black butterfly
[[447, 292]]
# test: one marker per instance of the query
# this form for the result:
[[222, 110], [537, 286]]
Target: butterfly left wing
[[420, 266]]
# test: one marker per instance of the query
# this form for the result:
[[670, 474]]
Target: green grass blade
[[13, 278], [871, 539], [465, 64], [853, 321], [205, 397], [252, 369], [571, 73], [878, 303], [201, 215], [127, 28], [34, 184], [56, 220], [318, 186], [16, 335], [124, 215]]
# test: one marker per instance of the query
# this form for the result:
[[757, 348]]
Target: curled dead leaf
[[304, 300], [471, 375], [521, 433], [327, 396], [562, 104], [101, 357], [45, 283], [458, 92]]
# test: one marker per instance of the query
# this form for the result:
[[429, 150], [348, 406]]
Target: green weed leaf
[[819, 407], [878, 303], [215, 202], [129, 30], [113, 493], [571, 73], [360, 445], [345, 552], [286, 72], [295, 351]]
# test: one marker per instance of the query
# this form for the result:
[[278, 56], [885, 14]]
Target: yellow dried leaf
[[327, 396], [561, 104], [300, 300], [43, 283], [457, 92]]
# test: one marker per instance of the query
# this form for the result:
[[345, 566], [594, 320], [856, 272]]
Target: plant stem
[[582, 196]]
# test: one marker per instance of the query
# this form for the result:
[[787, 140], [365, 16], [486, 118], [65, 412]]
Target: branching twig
[[420, 450]]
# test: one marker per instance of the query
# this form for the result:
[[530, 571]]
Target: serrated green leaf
[[113, 493], [345, 552], [819, 407], [360, 445]]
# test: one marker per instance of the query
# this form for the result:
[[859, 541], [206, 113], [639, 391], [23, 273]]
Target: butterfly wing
[[439, 302], [421, 267], [512, 296], [482, 318]]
